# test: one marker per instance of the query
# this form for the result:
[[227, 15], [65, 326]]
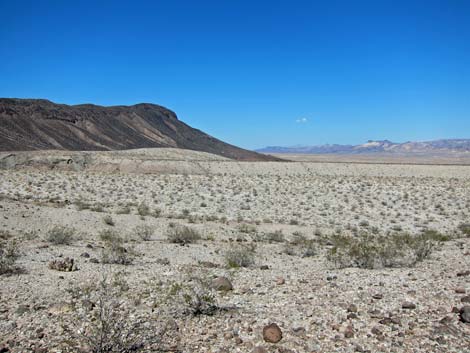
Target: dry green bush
[[143, 210], [195, 296], [60, 235], [465, 229], [300, 245], [180, 234], [240, 256], [8, 255], [108, 322], [144, 232], [374, 251], [114, 251]]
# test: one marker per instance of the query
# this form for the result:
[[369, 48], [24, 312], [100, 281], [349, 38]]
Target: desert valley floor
[[201, 254]]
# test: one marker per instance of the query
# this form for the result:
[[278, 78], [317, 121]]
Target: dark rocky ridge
[[37, 124]]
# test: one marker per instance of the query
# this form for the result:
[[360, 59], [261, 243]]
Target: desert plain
[[179, 251]]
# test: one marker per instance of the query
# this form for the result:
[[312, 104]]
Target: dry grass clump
[[179, 234], [60, 235], [240, 256], [374, 251]]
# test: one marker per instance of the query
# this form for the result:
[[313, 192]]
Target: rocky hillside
[[449, 146], [36, 124]]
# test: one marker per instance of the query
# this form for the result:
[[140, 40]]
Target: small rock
[[85, 255], [460, 290], [465, 314], [264, 267], [408, 305], [349, 332], [272, 333], [465, 299], [222, 284], [352, 308], [463, 273], [280, 281], [94, 260], [378, 296], [376, 331], [259, 349]]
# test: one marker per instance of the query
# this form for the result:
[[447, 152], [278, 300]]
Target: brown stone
[[272, 333]]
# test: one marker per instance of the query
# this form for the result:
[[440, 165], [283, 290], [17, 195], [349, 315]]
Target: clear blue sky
[[252, 73]]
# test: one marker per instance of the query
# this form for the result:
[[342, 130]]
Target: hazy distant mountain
[[450, 146], [38, 124]]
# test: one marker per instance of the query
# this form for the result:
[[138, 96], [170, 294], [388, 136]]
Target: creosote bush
[[195, 296], [107, 322], [375, 251], [8, 256], [144, 232], [115, 252], [180, 234], [240, 256], [60, 235], [300, 245]]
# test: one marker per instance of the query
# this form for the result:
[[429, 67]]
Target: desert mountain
[[450, 146], [37, 124]]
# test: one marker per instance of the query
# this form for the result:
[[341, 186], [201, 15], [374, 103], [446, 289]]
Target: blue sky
[[252, 73]]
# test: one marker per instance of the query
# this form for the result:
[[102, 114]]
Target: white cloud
[[301, 120]]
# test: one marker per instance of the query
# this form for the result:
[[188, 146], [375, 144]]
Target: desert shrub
[[373, 251], [144, 232], [97, 208], [60, 235], [107, 323], [465, 229], [108, 220], [143, 210], [240, 256], [180, 234], [247, 228], [300, 245], [275, 237], [124, 210], [81, 205], [195, 296], [8, 256], [114, 251]]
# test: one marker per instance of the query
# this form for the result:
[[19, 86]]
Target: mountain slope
[[36, 124], [449, 146]]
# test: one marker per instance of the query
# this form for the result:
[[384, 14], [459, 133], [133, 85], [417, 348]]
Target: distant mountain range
[[449, 146], [39, 124]]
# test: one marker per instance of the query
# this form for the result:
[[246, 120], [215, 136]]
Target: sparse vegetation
[[180, 234], [240, 256], [108, 324], [375, 251], [8, 255], [115, 252], [60, 235], [144, 232]]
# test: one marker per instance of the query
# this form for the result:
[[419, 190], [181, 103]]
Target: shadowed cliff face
[[33, 124]]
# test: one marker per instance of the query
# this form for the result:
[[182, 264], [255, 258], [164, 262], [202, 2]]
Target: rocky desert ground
[[189, 252]]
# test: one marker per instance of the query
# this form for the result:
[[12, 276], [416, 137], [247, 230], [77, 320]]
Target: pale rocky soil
[[311, 306]]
